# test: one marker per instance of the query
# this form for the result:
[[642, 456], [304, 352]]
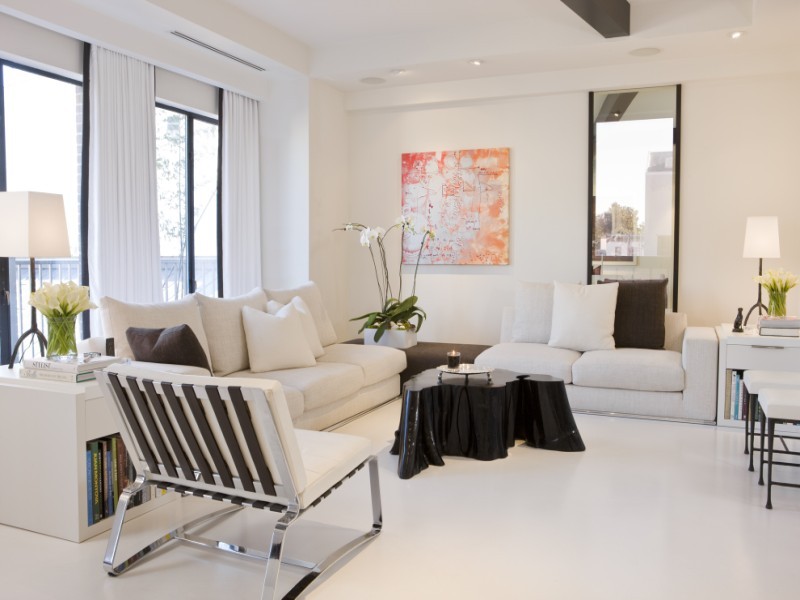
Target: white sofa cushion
[[533, 312], [322, 384], [309, 327], [377, 362], [583, 316], [276, 341], [117, 316], [222, 321], [294, 397], [630, 369], [534, 359], [309, 292]]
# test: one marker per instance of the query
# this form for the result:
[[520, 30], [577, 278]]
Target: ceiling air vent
[[217, 50]]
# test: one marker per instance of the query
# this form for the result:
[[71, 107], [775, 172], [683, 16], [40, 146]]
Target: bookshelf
[[44, 428], [749, 350]]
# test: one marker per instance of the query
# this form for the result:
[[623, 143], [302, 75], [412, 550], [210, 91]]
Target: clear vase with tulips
[[777, 283], [61, 303]]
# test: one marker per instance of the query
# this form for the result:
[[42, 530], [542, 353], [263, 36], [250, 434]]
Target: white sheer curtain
[[124, 258], [241, 215]]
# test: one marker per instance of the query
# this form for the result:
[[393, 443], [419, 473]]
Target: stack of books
[[779, 326], [72, 370]]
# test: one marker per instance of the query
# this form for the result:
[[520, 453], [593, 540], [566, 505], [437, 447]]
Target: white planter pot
[[395, 338]]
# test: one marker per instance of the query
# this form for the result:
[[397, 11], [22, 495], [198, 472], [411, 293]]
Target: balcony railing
[[58, 270]]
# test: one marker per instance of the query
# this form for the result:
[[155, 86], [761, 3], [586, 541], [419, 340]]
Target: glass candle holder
[[453, 359]]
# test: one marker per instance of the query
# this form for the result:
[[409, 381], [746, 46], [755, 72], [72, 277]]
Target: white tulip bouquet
[[61, 299]]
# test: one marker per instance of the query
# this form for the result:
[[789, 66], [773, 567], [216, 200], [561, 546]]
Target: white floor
[[651, 510]]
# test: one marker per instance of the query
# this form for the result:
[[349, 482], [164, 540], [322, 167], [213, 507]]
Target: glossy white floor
[[650, 510]]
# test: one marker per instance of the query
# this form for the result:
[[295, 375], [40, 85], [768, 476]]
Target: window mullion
[[190, 262]]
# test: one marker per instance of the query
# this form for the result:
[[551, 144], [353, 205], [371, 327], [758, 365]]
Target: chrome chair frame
[[139, 408]]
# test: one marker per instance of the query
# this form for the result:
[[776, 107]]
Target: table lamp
[[761, 241], [34, 226]]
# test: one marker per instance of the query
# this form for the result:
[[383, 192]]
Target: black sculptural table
[[480, 419]]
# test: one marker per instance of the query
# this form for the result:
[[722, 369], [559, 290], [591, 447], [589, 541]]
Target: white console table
[[44, 427], [748, 350]]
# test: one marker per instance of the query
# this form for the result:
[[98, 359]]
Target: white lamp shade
[[33, 225], [761, 238]]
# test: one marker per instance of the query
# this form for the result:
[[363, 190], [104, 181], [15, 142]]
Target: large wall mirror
[[634, 150]]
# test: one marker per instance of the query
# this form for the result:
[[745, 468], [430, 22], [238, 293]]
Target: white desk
[[748, 350]]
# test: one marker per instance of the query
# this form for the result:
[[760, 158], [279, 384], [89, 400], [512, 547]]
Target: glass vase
[[61, 336], [777, 304]]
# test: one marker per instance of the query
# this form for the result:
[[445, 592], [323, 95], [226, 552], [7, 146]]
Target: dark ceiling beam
[[611, 18], [614, 106]]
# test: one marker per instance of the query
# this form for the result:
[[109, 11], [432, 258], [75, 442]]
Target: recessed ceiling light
[[398, 72], [475, 62], [373, 80], [645, 52], [735, 35]]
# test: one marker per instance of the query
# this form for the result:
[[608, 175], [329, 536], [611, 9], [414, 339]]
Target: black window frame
[[5, 272], [191, 117]]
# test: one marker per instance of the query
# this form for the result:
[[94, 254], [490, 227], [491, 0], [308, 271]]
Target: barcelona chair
[[231, 441]]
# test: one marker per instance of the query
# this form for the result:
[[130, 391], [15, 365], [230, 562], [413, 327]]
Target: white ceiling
[[345, 41]]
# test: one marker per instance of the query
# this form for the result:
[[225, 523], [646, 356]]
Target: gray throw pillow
[[176, 345], [639, 319]]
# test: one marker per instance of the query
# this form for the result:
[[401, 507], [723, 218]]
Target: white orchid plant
[[396, 312], [61, 299]]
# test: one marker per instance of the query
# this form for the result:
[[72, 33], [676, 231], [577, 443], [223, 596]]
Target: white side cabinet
[[44, 427], [748, 350]]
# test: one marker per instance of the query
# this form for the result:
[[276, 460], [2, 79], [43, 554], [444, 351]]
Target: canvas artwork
[[463, 196]]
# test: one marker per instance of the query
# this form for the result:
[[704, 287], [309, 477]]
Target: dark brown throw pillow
[[639, 319], [176, 345]]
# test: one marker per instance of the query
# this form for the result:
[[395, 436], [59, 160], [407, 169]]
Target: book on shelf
[[778, 322], [779, 331], [57, 375], [78, 364]]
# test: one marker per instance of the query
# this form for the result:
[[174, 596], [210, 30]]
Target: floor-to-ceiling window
[[40, 139], [186, 155]]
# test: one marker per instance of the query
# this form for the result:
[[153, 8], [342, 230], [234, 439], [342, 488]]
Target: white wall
[[548, 141], [740, 157]]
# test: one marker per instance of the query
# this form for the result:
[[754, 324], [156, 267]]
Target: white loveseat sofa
[[677, 381], [327, 384]]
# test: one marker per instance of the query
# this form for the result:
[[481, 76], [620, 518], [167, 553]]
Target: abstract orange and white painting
[[462, 195]]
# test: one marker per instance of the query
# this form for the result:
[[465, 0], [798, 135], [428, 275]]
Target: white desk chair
[[754, 381]]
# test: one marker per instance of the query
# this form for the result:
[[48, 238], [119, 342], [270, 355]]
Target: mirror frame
[[676, 175]]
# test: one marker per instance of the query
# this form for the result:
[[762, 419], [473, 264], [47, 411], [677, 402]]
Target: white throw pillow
[[311, 294], [309, 327], [276, 341], [117, 316], [222, 321], [533, 312], [583, 316]]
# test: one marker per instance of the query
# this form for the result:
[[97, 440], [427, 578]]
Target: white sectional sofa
[[324, 382], [675, 381]]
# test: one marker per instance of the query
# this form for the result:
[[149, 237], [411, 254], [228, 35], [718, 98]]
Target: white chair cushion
[[377, 362], [117, 316], [780, 403], [322, 384], [222, 321], [310, 293], [756, 380], [309, 326], [674, 329], [630, 369], [583, 316], [533, 312], [276, 341], [534, 359], [327, 458]]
